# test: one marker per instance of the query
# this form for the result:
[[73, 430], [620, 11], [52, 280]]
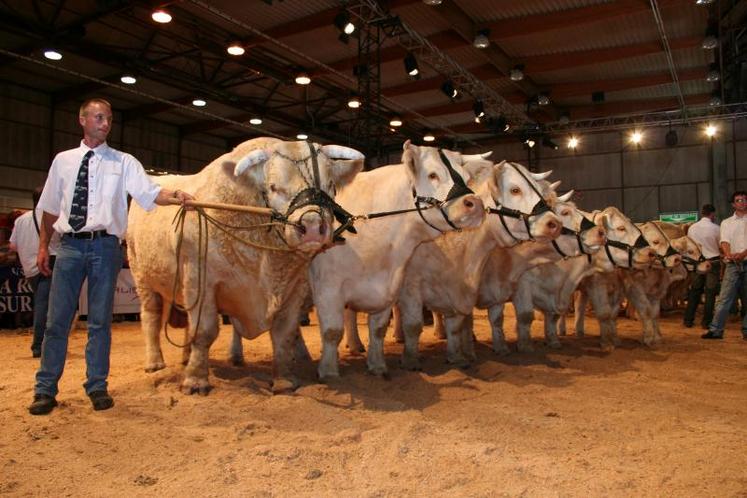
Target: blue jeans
[[40, 285], [99, 260], [733, 284]]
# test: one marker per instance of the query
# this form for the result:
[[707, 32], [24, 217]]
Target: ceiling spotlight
[[479, 108], [411, 65], [482, 39], [395, 121], [432, 2], [703, 2], [255, 121], [199, 103], [713, 73], [710, 130], [548, 142], [449, 89], [543, 99], [517, 73], [565, 118], [235, 48], [128, 79], [428, 137], [52, 54], [161, 16], [302, 78], [302, 136], [572, 142], [354, 102], [499, 124], [636, 137], [343, 23], [715, 98], [710, 41], [477, 119], [529, 142]]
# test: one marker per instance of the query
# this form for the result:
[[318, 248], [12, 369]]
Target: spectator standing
[[734, 248], [706, 233]]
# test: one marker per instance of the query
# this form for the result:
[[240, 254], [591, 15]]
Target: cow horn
[[476, 157], [554, 185], [541, 176], [249, 160], [566, 197], [341, 152]]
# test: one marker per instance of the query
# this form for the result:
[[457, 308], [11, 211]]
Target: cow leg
[[658, 339], [235, 347], [377, 325], [495, 316], [203, 335], [285, 338], [151, 307], [551, 325], [468, 338], [579, 311], [300, 351], [524, 319], [438, 325], [561, 331], [606, 315], [411, 318], [454, 353], [352, 336], [399, 335], [331, 328]]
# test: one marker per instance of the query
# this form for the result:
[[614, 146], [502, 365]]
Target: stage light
[[235, 48], [255, 121], [396, 121], [713, 74], [411, 65], [302, 136], [161, 16], [52, 54], [572, 142], [428, 137], [199, 103], [128, 79], [449, 90], [479, 108], [517, 73], [482, 39], [354, 102], [710, 130], [636, 137], [302, 78], [343, 23]]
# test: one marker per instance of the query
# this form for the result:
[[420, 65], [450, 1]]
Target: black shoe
[[36, 353], [43, 404], [712, 335], [101, 400]]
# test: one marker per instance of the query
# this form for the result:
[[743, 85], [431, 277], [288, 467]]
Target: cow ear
[[409, 151], [494, 181], [344, 170], [477, 168]]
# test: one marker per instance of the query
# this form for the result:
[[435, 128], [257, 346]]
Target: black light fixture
[[354, 102], [710, 41], [548, 142], [343, 23], [715, 98], [479, 108], [411, 65], [565, 118], [671, 139], [713, 74], [517, 72], [449, 89], [498, 125], [543, 99]]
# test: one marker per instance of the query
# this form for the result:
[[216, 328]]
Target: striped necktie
[[79, 208]]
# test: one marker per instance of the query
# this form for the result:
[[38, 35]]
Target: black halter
[[540, 208], [458, 189], [640, 243], [691, 264], [586, 224]]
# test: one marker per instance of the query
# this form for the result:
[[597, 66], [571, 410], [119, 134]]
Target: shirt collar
[[99, 150]]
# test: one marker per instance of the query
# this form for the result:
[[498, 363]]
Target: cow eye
[[273, 188], [515, 190], [565, 213], [433, 176], [620, 229]]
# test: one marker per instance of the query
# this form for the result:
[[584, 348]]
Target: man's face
[[96, 121], [740, 203]]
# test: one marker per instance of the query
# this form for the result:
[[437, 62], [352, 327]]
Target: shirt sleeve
[[51, 197], [725, 232], [139, 185], [13, 237]]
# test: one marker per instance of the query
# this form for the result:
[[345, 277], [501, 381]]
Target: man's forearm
[[46, 230]]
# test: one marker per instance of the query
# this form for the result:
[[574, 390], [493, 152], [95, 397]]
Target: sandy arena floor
[[575, 422]]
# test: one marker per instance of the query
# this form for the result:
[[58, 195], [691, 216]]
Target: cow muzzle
[[311, 230], [544, 227], [466, 211]]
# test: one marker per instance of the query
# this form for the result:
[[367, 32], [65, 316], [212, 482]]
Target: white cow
[[444, 275], [366, 272], [262, 288]]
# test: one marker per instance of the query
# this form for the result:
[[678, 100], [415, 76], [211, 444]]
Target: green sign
[[684, 217]]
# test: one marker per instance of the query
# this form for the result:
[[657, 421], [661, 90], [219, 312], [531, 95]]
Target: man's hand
[[42, 261], [167, 197]]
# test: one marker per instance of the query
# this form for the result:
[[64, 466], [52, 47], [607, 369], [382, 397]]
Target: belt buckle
[[91, 235]]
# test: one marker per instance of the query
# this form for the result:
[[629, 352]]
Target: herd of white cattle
[[452, 232]]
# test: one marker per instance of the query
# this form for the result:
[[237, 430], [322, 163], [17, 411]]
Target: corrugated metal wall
[[644, 180], [29, 142]]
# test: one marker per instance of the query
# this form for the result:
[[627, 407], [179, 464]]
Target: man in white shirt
[[25, 241], [85, 201], [707, 234], [734, 248]]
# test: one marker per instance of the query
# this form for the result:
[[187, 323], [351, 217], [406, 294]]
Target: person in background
[[734, 247], [25, 241], [706, 233], [85, 201]]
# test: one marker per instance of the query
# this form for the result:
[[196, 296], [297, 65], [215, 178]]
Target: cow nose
[[553, 227], [602, 234], [706, 266], [676, 260]]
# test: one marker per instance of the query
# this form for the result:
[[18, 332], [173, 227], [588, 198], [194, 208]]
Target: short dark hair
[[738, 193], [707, 209], [36, 195]]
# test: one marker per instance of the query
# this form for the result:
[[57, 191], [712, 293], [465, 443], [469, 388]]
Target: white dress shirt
[[26, 240], [111, 176], [707, 234], [734, 231]]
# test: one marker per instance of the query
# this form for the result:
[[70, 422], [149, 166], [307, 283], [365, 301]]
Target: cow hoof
[[502, 350], [525, 348], [155, 367], [459, 362], [196, 386], [283, 386], [325, 377], [411, 364], [379, 372], [237, 361], [580, 333]]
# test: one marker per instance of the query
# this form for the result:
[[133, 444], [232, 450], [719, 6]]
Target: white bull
[[262, 288], [366, 272]]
